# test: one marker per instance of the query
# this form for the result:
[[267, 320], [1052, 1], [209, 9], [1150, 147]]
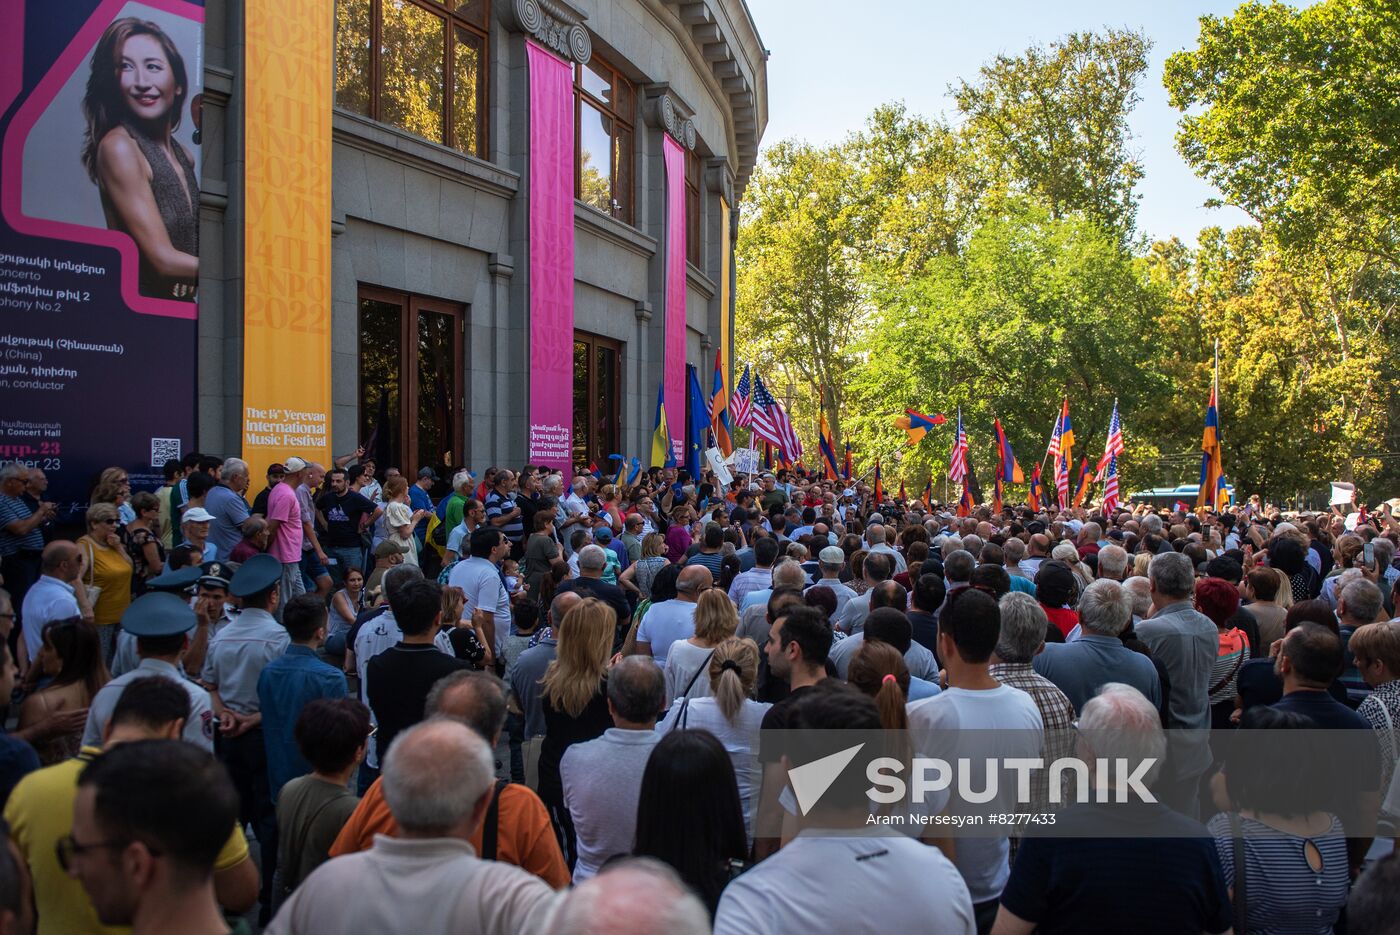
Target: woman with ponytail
[[730, 713], [879, 671]]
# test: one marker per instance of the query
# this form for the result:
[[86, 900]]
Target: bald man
[[673, 620], [54, 596]]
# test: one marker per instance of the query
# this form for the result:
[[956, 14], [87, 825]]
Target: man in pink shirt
[[285, 530]]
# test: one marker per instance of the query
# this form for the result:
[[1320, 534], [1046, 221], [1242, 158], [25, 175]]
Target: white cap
[[197, 514], [294, 464]]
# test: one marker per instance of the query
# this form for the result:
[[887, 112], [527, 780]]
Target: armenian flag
[[719, 409], [996, 493], [928, 494], [902, 497], [1008, 468], [965, 501], [848, 468], [1037, 490], [879, 487], [916, 424], [1212, 489], [1084, 480], [828, 450]]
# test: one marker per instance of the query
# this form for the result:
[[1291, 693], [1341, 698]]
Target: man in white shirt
[[673, 620], [603, 778], [977, 718], [903, 884], [53, 596], [479, 577], [574, 512], [439, 780], [875, 535]]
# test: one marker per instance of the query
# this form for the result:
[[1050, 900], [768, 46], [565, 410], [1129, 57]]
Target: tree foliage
[[993, 264]]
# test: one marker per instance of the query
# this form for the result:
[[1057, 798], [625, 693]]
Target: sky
[[832, 63]]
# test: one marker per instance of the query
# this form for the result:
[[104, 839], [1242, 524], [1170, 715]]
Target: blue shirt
[[237, 656], [14, 509], [418, 499], [229, 511], [1081, 668], [287, 684]]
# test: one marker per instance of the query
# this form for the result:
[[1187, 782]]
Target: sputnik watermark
[[1117, 780]]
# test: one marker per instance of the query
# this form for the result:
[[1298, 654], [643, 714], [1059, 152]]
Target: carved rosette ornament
[[554, 26], [668, 117]]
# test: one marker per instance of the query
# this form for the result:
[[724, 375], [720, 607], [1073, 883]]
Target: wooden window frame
[[453, 20], [410, 307], [594, 342], [627, 213], [694, 229]]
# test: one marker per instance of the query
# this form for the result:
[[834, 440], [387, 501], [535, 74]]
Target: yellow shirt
[[110, 571], [40, 813]]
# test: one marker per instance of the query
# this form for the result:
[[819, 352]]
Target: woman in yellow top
[[109, 568]]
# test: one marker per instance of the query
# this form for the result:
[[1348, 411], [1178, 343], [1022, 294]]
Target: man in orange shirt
[[517, 829]]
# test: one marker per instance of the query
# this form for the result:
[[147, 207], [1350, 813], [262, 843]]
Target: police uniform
[[179, 582], [236, 657], [153, 615]]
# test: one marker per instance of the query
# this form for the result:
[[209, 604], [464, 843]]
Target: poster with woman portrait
[[99, 242]]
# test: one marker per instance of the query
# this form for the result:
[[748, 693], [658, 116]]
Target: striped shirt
[[1229, 659], [1381, 709], [1285, 894], [498, 505]]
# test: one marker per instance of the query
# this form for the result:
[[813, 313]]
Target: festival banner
[[673, 359], [551, 259], [288, 72], [99, 244]]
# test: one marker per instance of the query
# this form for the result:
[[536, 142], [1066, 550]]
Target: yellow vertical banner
[[288, 74], [726, 315]]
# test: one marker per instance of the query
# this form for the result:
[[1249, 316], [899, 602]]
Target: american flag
[[1062, 480], [1054, 450], [770, 423], [957, 459], [1110, 488], [739, 404], [1114, 447]]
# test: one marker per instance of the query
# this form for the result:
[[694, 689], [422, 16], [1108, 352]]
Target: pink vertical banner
[[673, 360], [551, 259]]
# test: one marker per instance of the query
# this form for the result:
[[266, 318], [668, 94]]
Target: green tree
[[800, 293], [1053, 123]]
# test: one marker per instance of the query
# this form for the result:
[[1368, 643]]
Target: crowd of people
[[531, 702]]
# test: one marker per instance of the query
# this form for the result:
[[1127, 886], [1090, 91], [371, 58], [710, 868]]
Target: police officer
[[178, 582], [212, 611], [160, 623], [236, 657]]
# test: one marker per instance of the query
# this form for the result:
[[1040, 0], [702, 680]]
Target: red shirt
[[1064, 619]]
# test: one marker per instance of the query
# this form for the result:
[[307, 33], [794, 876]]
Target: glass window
[[410, 373], [692, 209], [597, 400], [606, 110], [395, 64]]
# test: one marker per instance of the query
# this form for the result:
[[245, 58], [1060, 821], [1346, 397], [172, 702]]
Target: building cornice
[[555, 24]]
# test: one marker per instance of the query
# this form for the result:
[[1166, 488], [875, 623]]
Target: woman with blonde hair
[[608, 507], [1141, 562], [730, 713], [1067, 553], [640, 574], [879, 671], [114, 487], [107, 566], [574, 699], [715, 621]]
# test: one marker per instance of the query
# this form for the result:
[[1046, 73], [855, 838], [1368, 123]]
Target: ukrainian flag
[[662, 454]]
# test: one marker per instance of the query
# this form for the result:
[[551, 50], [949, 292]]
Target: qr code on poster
[[164, 449]]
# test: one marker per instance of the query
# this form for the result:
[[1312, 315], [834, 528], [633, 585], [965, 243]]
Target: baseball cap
[[197, 514], [275, 468], [389, 547], [295, 464], [602, 534]]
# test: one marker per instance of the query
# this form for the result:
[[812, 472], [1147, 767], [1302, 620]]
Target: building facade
[[430, 231]]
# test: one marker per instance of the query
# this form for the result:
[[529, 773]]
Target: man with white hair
[[1022, 639], [229, 510], [1186, 641], [1083, 666], [438, 781], [875, 534], [638, 895], [1113, 561], [1088, 876], [1140, 590], [574, 513]]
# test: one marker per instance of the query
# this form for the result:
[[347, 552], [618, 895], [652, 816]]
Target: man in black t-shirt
[[344, 513]]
